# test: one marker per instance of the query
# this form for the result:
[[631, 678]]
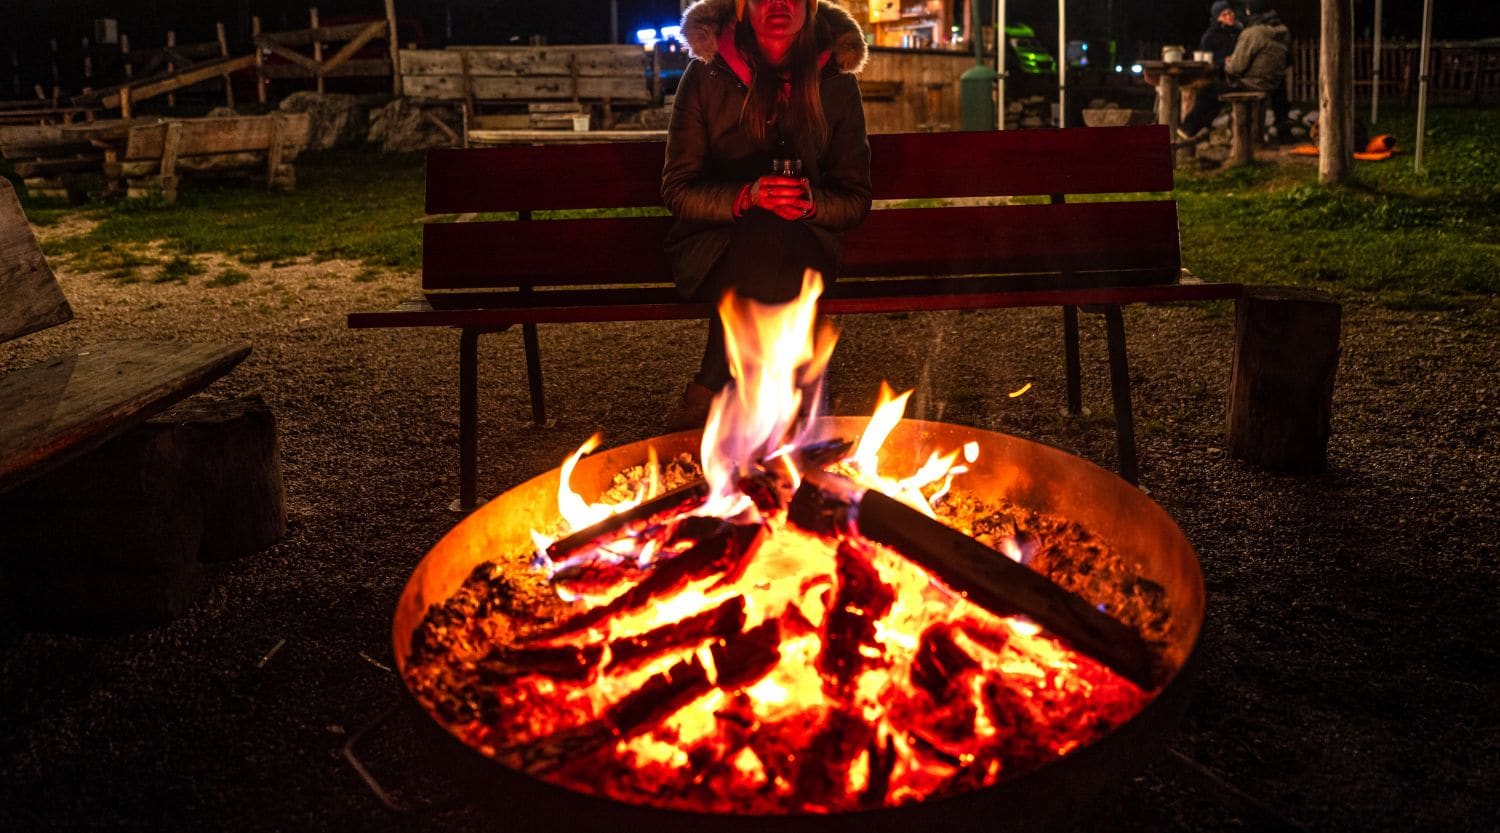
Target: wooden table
[[109, 135], [1168, 79]]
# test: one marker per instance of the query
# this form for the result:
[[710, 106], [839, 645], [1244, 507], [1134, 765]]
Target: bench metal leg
[[534, 374], [1070, 360], [1119, 383], [468, 421]]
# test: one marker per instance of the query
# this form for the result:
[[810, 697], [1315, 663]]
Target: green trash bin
[[976, 100]]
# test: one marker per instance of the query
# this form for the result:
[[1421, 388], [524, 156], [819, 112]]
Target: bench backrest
[[30, 299], [1111, 242], [207, 137]]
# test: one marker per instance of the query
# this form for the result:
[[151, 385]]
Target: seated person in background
[[1258, 63], [1223, 31]]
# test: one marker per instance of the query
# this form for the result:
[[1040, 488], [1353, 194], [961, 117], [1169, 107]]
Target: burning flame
[[904, 625]]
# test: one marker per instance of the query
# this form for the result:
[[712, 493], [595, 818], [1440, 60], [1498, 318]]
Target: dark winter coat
[[1220, 40], [710, 158], [1260, 57]]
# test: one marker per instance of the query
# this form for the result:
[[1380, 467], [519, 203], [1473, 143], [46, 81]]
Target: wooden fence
[[1457, 73]]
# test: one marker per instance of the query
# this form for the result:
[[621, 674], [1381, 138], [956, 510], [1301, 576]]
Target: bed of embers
[[701, 645]]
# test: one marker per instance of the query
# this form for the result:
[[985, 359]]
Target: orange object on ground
[[1379, 148]]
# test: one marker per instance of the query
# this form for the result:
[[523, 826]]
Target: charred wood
[[985, 577], [860, 600], [671, 502], [724, 553], [723, 621]]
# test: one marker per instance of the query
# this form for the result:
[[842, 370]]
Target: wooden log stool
[[1286, 354], [118, 536], [1246, 109]]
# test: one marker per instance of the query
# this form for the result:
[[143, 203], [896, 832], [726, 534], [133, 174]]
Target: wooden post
[[395, 45], [224, 53], [56, 74], [260, 60], [1244, 124], [1286, 353], [15, 74], [125, 57], [1336, 92], [317, 45], [171, 67], [125, 103], [273, 150], [170, 143], [88, 66]]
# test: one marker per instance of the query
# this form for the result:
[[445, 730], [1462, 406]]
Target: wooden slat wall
[[1011, 239], [518, 73], [1094, 160], [30, 299]]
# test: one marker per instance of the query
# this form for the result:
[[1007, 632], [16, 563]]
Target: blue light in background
[[645, 37]]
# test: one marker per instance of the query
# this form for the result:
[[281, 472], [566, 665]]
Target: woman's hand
[[787, 197]]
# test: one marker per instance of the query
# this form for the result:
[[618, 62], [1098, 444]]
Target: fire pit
[[770, 651]]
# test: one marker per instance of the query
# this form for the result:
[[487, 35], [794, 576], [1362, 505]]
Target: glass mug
[[790, 168]]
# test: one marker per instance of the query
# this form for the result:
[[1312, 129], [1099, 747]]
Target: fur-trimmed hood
[[836, 32]]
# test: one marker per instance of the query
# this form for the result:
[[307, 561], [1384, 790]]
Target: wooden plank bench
[[53, 412], [48, 160], [485, 277], [156, 154]]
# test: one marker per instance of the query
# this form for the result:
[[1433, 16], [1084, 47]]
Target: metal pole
[[1375, 75], [1062, 63], [1002, 45], [1422, 86]]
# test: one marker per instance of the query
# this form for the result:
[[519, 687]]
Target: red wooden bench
[[489, 275]]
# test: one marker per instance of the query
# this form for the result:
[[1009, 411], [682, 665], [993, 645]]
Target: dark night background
[[27, 25]]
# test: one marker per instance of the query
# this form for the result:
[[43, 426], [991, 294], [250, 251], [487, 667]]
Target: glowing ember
[[713, 657]]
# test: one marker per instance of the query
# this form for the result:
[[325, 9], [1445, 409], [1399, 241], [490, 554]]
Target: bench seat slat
[[53, 412], [1098, 160], [418, 314], [1105, 237]]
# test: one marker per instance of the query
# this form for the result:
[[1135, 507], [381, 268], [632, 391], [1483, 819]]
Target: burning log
[[723, 621], [561, 662], [862, 598], [723, 553], [827, 502], [940, 662], [675, 501], [738, 661]]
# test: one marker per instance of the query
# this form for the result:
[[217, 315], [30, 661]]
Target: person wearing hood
[[1222, 33], [769, 80], [1258, 63]]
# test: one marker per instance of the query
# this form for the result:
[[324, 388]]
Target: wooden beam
[[288, 53], [171, 67], [395, 47], [368, 34], [185, 79], [260, 63], [224, 53], [317, 46]]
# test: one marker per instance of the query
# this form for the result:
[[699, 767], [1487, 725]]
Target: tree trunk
[[1336, 92], [1286, 353]]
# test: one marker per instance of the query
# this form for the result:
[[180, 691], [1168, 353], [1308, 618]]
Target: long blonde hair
[[802, 112]]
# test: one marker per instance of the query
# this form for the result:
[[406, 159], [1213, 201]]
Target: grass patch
[[229, 277], [179, 269], [367, 275], [355, 204], [1428, 240]]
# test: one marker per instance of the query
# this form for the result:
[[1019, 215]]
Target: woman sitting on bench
[[771, 80]]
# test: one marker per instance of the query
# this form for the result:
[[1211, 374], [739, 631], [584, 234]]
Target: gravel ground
[[1348, 664]]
